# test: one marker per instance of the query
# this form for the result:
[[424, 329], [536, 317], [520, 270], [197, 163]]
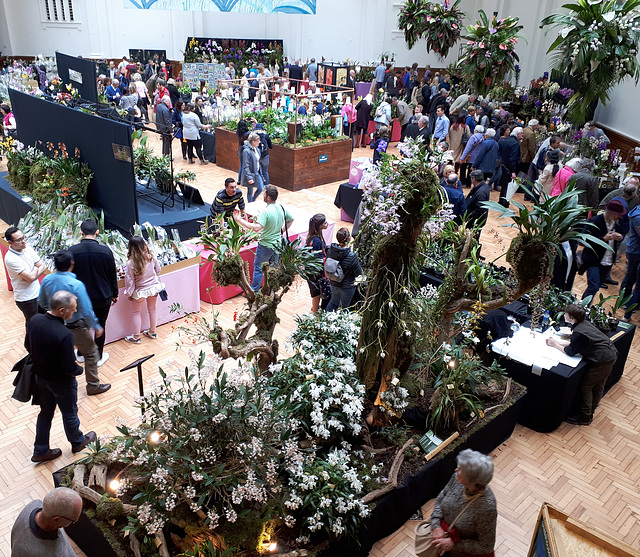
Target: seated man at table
[[227, 200], [599, 352]]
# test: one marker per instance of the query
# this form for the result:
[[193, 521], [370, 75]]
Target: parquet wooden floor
[[590, 472]]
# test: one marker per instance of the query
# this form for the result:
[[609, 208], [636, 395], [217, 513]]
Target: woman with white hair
[[563, 176], [468, 501]]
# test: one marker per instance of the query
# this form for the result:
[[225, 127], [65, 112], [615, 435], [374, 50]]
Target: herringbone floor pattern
[[590, 472]]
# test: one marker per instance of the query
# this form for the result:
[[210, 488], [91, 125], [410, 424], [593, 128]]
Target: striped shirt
[[224, 203]]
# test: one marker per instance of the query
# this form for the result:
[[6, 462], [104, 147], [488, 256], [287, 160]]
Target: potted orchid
[[490, 50], [597, 45], [438, 23]]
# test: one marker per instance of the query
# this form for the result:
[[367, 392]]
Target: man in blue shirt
[[312, 70], [379, 74], [442, 125], [81, 323], [633, 260], [113, 92]]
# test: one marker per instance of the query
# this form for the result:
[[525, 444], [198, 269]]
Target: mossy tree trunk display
[[394, 276], [261, 308]]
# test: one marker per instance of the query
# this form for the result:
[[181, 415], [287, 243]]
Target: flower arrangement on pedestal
[[438, 23], [490, 50], [597, 45]]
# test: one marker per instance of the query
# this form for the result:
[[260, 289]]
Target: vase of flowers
[[597, 46], [437, 22], [490, 50]]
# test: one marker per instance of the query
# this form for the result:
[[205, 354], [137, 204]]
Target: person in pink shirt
[[561, 179], [141, 283]]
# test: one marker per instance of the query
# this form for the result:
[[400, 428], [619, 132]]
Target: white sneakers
[[105, 357]]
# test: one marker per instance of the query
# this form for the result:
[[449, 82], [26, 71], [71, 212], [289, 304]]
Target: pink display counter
[[396, 130], [181, 282]]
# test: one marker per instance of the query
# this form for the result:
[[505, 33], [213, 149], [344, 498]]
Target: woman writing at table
[[599, 352]]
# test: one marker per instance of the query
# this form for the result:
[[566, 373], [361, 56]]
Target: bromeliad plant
[[438, 22], [490, 51], [597, 46]]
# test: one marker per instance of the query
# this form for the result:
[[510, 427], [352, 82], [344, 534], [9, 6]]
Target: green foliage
[[542, 230], [96, 452], [597, 45], [46, 177], [489, 53], [195, 414], [438, 23], [208, 550], [458, 375], [555, 300], [315, 128]]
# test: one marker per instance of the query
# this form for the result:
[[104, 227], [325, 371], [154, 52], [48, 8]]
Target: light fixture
[[272, 546], [114, 485], [154, 437], [452, 363]]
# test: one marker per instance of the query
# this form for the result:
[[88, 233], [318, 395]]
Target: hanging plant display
[[490, 51], [438, 23], [597, 45]]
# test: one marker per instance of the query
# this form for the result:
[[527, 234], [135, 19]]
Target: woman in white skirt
[[141, 283]]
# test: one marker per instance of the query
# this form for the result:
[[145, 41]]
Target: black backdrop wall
[[82, 76], [113, 187]]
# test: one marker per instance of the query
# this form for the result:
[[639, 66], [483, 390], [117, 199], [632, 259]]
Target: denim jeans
[[263, 255], [631, 279], [259, 188], [264, 168], [340, 297], [595, 278], [64, 396]]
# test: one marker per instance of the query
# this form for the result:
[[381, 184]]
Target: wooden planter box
[[292, 169]]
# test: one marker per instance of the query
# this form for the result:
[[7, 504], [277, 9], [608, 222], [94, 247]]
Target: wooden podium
[[559, 535]]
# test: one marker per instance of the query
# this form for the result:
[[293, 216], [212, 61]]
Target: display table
[[348, 200], [212, 293], [181, 282], [396, 130], [551, 394]]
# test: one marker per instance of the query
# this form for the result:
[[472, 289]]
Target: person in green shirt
[[269, 227]]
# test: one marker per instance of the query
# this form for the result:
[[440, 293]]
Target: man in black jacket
[[96, 269], [164, 124], [480, 191], [50, 344], [295, 74]]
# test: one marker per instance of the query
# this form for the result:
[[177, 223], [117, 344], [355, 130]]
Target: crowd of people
[[485, 149]]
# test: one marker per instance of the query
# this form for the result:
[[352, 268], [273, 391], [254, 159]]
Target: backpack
[[379, 111], [465, 138], [263, 148], [333, 270]]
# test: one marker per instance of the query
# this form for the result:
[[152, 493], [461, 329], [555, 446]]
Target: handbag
[[325, 288], [286, 228], [163, 295], [424, 545]]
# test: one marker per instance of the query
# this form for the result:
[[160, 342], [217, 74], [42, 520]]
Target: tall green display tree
[[490, 50], [597, 45], [439, 23]]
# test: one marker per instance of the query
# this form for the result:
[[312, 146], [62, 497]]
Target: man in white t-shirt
[[24, 267]]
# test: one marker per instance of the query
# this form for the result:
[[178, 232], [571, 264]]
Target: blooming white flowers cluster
[[326, 492], [331, 393]]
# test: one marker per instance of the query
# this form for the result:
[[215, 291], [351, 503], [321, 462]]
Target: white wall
[[356, 29]]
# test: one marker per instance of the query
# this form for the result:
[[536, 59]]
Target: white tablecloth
[[530, 349]]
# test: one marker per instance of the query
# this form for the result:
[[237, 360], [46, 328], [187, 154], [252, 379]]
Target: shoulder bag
[[425, 546]]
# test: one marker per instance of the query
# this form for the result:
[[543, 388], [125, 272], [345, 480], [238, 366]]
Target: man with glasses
[[24, 267], [38, 530]]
